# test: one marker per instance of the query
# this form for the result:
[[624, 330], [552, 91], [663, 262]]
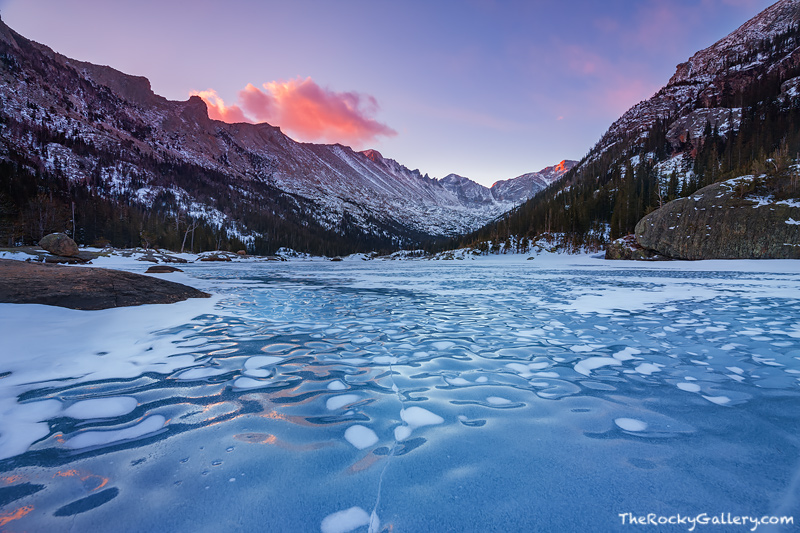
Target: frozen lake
[[489, 395]]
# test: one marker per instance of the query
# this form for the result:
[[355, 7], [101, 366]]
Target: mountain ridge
[[105, 130]]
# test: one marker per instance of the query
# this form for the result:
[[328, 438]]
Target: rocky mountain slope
[[731, 110], [705, 87], [106, 133]]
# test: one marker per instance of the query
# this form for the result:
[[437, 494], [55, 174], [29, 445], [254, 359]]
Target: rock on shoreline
[[85, 288], [719, 222]]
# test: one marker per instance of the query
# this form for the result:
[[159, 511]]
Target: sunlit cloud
[[217, 109], [306, 110]]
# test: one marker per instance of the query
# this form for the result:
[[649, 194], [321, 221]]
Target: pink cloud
[[217, 110], [305, 110]]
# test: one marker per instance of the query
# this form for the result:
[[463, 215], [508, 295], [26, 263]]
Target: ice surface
[[451, 377], [360, 436]]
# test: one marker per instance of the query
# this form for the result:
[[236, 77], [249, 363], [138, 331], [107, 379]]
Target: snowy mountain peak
[[527, 185], [373, 155]]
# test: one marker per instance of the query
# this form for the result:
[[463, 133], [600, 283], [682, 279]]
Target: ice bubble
[[401, 433], [344, 521], [259, 361], [520, 369], [248, 383], [631, 424], [586, 347], [361, 437], [101, 407], [648, 368], [719, 400], [586, 366], [279, 347], [336, 385], [258, 373], [443, 345], [496, 400], [200, 373], [98, 438], [337, 402], [482, 379], [193, 342], [418, 417], [689, 387], [626, 354], [457, 381]]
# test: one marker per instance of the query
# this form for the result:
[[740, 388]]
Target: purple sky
[[483, 88]]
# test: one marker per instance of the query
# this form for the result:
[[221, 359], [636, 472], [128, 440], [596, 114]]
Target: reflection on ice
[[429, 394]]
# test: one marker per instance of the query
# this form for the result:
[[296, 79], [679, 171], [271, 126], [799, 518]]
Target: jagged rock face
[[527, 185], [708, 75], [467, 190], [726, 220]]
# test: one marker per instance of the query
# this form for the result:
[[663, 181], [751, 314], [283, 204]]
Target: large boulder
[[85, 288], [740, 218], [162, 269], [59, 244]]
